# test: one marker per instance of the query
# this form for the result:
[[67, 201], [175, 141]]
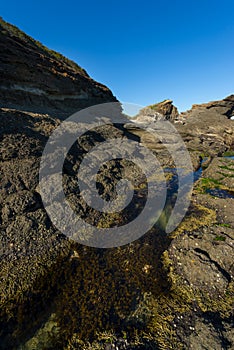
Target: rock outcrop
[[224, 107], [164, 110], [206, 128]]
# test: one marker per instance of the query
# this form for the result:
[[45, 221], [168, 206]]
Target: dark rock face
[[38, 79]]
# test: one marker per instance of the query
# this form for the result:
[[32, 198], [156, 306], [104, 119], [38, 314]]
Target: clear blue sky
[[144, 51]]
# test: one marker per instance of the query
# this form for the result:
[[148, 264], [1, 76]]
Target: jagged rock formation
[[224, 107], [40, 80], [164, 110]]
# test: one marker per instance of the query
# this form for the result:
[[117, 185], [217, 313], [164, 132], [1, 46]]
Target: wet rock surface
[[191, 291], [202, 262]]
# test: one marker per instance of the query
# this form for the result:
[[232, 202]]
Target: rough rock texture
[[206, 131], [224, 107], [207, 127], [35, 78], [38, 88], [200, 256], [202, 260], [164, 110]]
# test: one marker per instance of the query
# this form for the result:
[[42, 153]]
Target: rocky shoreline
[[163, 291]]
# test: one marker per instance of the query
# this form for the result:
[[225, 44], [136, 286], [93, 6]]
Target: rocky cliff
[[37, 79]]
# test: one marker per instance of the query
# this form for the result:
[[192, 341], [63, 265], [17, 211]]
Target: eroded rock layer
[[38, 79]]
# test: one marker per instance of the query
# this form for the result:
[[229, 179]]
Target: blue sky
[[144, 51]]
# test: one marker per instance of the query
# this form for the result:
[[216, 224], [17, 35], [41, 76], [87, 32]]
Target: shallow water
[[198, 173], [216, 192]]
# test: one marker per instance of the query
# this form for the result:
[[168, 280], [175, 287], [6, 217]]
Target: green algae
[[229, 153], [30, 304], [131, 292], [196, 217], [220, 238]]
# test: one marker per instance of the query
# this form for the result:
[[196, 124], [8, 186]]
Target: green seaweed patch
[[220, 238], [204, 155], [224, 225], [225, 174], [207, 183], [106, 290], [226, 167], [228, 154], [196, 217]]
